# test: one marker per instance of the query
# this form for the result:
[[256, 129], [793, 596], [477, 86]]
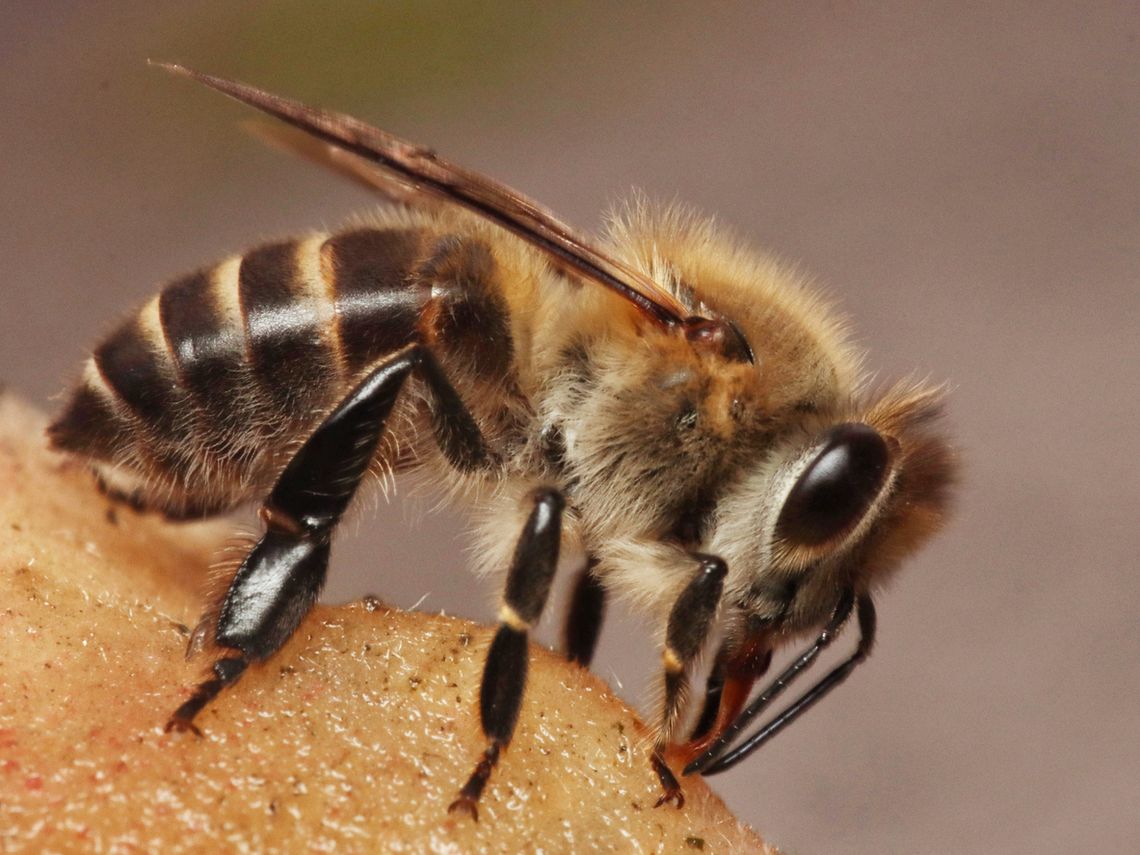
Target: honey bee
[[677, 410]]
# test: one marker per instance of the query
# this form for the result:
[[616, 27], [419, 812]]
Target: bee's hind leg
[[281, 577], [504, 674]]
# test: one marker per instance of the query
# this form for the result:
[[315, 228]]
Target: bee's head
[[838, 504]]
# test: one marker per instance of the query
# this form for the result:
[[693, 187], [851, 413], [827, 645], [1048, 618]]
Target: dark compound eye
[[837, 487]]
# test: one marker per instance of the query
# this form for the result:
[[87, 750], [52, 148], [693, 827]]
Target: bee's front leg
[[504, 674], [689, 623], [737, 667], [718, 758]]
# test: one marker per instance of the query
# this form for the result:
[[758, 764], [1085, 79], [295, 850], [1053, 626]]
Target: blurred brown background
[[962, 176]]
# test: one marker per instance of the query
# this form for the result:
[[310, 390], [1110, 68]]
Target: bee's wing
[[356, 169], [425, 171]]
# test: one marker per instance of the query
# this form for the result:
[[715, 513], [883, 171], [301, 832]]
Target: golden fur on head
[[925, 468]]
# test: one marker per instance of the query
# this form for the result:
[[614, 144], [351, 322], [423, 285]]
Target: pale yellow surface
[[354, 737]]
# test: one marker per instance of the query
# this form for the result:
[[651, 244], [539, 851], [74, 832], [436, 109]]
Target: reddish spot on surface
[[34, 782], [316, 691]]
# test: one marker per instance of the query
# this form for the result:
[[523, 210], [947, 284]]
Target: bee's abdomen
[[379, 298], [205, 390]]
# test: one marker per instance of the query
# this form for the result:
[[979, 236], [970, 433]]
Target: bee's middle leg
[[281, 577], [504, 674], [584, 617]]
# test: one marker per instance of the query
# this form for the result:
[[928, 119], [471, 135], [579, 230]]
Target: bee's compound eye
[[837, 487]]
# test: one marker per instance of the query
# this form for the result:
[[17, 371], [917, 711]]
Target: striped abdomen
[[203, 394]]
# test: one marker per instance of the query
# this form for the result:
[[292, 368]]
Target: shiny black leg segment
[[584, 620], [281, 577], [504, 675], [274, 589], [322, 477], [500, 697], [504, 680], [689, 623], [713, 761], [535, 560]]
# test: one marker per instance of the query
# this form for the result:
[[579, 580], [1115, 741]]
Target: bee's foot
[[465, 804], [182, 725], [668, 783]]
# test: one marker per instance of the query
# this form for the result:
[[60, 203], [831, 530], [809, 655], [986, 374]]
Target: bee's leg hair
[[584, 618], [713, 760], [281, 577], [137, 502], [689, 623], [504, 674], [714, 688]]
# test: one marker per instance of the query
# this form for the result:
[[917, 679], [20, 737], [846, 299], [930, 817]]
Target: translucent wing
[[357, 170], [424, 171]]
